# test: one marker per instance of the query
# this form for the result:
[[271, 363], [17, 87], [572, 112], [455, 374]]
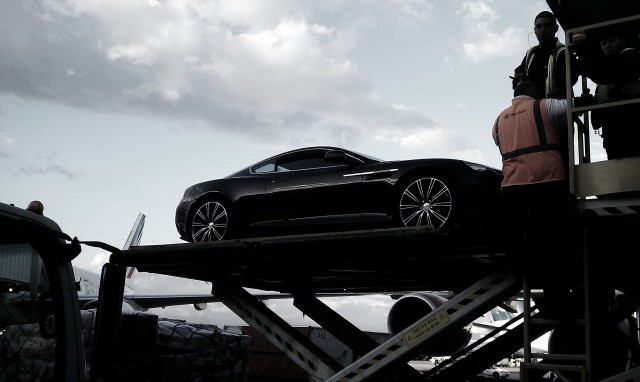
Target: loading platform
[[469, 263]]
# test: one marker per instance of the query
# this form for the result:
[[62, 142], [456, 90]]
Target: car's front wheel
[[210, 221], [426, 201]]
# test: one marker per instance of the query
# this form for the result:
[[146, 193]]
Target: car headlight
[[476, 166], [481, 167]]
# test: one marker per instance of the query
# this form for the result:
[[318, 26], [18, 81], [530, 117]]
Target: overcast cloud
[[261, 68], [271, 70]]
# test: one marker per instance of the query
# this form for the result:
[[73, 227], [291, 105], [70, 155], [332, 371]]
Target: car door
[[307, 187]]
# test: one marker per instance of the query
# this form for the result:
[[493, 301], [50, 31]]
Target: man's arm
[[518, 73], [557, 110], [494, 133]]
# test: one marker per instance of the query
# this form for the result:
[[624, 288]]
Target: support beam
[[301, 350], [105, 350], [452, 316], [345, 331]]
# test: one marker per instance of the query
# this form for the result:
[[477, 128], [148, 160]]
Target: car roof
[[247, 169]]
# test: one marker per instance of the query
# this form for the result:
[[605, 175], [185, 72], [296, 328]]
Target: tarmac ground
[[514, 371]]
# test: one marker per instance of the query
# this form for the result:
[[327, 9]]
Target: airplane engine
[[412, 307], [200, 306]]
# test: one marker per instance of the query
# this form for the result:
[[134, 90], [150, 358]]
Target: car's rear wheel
[[210, 221], [427, 200]]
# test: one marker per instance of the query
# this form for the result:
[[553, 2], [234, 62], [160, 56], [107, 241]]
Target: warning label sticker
[[425, 327]]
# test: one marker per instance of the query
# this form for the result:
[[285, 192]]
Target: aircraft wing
[[162, 301], [151, 301], [488, 327], [146, 302]]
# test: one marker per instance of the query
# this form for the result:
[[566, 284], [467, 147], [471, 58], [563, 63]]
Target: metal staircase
[[453, 315], [570, 366]]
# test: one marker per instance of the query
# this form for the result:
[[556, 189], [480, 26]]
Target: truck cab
[[40, 323]]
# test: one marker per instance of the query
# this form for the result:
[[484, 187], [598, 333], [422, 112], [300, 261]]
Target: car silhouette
[[496, 372], [322, 189]]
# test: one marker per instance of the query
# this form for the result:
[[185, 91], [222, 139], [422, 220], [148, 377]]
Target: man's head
[[612, 45], [612, 40], [36, 206], [526, 88], [545, 27]]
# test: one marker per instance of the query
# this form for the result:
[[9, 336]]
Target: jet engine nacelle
[[412, 307]]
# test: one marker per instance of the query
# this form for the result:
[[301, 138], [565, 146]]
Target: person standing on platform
[[617, 75], [544, 64], [535, 191]]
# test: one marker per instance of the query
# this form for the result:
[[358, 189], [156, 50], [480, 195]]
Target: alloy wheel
[[209, 222], [426, 201]]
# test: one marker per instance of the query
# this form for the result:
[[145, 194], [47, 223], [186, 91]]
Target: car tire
[[496, 375], [426, 200], [209, 221]]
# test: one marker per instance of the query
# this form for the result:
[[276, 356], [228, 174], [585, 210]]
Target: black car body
[[319, 189]]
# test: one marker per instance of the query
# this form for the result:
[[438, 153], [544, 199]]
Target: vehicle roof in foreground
[[579, 13]]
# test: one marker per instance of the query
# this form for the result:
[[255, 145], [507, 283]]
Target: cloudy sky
[[111, 108]]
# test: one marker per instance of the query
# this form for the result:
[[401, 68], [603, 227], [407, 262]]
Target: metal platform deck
[[367, 261]]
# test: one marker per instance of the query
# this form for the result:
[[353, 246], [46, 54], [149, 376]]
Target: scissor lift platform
[[396, 260], [366, 261], [470, 263]]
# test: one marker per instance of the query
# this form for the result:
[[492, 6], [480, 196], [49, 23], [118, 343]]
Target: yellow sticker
[[425, 327]]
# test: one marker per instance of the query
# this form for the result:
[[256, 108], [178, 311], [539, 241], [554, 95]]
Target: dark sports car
[[320, 189]]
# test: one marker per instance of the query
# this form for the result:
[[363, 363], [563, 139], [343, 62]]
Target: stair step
[[560, 357], [552, 321]]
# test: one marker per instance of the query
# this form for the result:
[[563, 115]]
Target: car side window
[[302, 164], [265, 168], [299, 161]]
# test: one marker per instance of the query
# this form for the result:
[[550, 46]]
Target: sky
[[112, 108]]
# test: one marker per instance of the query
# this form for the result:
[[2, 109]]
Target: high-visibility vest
[[550, 85], [529, 143]]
